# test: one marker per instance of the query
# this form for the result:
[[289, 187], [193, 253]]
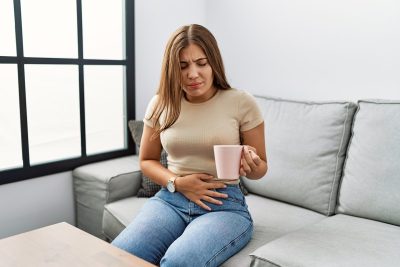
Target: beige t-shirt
[[189, 141]]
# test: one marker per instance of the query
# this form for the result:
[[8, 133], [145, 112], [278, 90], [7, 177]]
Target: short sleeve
[[149, 111], [250, 114]]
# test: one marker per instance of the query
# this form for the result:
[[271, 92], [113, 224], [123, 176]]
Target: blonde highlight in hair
[[170, 91]]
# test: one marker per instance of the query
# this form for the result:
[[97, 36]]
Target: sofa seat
[[117, 215], [272, 219], [341, 240]]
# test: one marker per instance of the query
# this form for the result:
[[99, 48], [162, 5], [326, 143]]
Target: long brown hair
[[170, 88]]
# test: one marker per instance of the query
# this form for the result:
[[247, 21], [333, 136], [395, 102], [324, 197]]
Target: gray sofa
[[331, 196]]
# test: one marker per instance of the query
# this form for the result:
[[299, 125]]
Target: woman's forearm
[[156, 171]]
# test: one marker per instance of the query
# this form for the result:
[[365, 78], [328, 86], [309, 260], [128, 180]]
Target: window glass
[[52, 87], [49, 28], [7, 28], [52, 96], [10, 130], [105, 108], [103, 25]]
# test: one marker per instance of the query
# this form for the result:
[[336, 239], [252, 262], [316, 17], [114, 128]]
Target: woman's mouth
[[194, 85]]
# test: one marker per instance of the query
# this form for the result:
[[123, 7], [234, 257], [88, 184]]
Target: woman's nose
[[193, 72]]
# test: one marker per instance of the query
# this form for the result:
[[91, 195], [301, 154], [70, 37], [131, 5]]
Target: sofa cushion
[[148, 188], [306, 145], [119, 214], [340, 240], [102, 182], [371, 182], [272, 219]]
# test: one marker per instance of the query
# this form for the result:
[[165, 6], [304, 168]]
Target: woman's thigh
[[209, 240], [153, 230]]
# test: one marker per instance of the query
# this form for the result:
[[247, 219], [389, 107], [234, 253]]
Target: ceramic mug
[[227, 161]]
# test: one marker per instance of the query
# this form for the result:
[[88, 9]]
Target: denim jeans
[[170, 230]]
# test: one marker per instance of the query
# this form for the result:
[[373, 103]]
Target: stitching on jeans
[[230, 243], [184, 217], [236, 200], [241, 202]]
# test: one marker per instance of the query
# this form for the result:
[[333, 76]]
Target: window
[[10, 131], [52, 103], [105, 118], [66, 84], [49, 28], [7, 30]]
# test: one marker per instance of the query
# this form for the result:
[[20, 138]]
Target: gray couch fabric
[[100, 183], [306, 146], [117, 215], [340, 240], [272, 219], [371, 182]]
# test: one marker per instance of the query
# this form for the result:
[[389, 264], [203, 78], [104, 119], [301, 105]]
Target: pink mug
[[227, 161]]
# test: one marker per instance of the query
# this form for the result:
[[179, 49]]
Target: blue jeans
[[170, 230]]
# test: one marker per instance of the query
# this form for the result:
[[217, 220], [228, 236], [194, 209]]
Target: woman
[[199, 220]]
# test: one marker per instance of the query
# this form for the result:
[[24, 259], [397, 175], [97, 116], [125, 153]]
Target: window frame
[[28, 172]]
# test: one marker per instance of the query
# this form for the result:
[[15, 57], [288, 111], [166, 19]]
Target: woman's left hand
[[249, 161]]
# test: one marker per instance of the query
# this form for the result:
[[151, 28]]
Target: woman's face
[[197, 74]]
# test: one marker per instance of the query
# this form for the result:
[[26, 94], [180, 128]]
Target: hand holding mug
[[249, 160]]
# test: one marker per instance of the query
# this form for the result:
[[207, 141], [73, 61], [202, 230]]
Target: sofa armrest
[[100, 183]]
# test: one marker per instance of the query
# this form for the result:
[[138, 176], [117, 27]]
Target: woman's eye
[[202, 63], [183, 66]]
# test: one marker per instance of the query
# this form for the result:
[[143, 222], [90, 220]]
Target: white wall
[[35, 203], [309, 49], [155, 21]]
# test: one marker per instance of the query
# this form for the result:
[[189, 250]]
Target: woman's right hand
[[199, 187]]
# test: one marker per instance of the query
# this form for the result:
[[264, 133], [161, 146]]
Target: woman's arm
[[254, 158], [149, 157]]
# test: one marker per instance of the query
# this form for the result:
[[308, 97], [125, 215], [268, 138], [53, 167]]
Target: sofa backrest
[[306, 144], [370, 187]]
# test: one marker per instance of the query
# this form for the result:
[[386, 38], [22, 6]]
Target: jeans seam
[[230, 243], [186, 218], [235, 200]]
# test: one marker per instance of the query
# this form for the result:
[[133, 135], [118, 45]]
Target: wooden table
[[62, 245]]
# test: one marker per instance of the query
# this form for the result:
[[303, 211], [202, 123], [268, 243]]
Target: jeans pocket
[[234, 195], [237, 200]]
